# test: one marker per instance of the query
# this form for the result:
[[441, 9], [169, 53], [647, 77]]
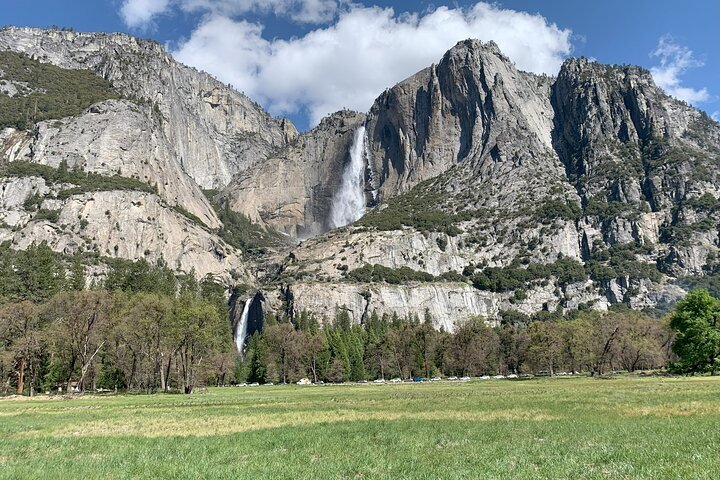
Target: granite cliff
[[486, 189]]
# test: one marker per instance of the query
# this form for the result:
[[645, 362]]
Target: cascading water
[[349, 201], [241, 330]]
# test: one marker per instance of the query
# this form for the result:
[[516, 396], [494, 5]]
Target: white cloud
[[716, 116], [141, 13], [350, 62], [674, 61]]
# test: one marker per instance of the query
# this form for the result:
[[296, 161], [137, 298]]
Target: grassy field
[[654, 428]]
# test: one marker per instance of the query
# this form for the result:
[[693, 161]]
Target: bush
[[554, 209], [239, 231]]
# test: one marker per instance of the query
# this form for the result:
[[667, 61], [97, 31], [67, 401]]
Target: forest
[[144, 328]]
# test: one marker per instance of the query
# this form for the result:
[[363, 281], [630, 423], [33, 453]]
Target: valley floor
[[542, 428]]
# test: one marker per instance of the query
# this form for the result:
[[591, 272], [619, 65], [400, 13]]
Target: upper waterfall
[[349, 201]]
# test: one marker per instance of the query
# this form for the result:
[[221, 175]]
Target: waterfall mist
[[349, 201]]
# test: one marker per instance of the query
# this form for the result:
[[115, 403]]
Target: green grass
[[551, 428]]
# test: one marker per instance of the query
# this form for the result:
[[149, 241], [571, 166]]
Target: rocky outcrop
[[114, 138], [473, 108], [598, 165], [475, 164], [292, 191], [122, 224], [447, 303]]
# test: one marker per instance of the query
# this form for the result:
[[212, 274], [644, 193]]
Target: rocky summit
[[470, 188]]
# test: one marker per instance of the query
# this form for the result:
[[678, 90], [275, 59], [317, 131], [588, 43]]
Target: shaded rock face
[[464, 110], [293, 190]]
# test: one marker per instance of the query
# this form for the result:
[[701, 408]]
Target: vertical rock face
[[472, 107], [629, 147], [213, 130], [293, 190], [115, 137]]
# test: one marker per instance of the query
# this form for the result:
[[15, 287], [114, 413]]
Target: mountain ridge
[[502, 190]]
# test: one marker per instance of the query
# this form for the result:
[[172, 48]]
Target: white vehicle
[[395, 380], [465, 378], [452, 378], [379, 380], [499, 377], [435, 379], [512, 375], [485, 377]]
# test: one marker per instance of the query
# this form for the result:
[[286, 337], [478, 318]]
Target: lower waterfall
[[349, 201], [241, 330]]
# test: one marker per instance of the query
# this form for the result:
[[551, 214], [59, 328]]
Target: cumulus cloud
[[141, 13], [674, 61], [367, 49]]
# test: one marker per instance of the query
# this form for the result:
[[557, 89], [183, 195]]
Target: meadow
[[624, 427]]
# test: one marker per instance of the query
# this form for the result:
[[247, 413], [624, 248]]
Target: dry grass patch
[[170, 425]]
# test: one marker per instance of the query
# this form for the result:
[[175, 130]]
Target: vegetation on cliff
[[42, 91]]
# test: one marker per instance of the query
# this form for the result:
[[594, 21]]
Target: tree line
[[389, 346], [145, 328], [142, 328]]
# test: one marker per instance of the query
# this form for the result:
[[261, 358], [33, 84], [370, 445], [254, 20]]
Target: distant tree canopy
[[142, 328]]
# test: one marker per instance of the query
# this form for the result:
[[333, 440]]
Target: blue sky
[[306, 58]]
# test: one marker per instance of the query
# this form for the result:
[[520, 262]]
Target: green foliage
[[710, 282], [34, 274], [379, 273], [620, 260], [419, 209], [190, 216], [140, 276], [608, 211], [558, 209], [49, 215], [46, 91], [696, 321], [239, 231], [84, 181], [495, 279]]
